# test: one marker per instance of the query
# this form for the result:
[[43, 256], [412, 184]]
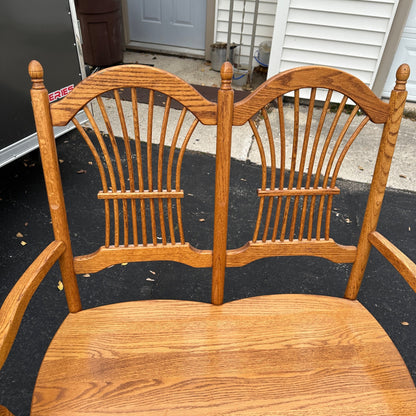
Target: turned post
[[379, 182], [222, 181], [47, 147]]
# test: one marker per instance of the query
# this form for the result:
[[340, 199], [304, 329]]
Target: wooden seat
[[286, 354], [278, 354]]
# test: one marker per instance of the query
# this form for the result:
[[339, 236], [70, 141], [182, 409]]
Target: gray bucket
[[219, 53], [263, 54], [240, 77]]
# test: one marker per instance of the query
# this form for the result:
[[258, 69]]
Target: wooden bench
[[283, 354]]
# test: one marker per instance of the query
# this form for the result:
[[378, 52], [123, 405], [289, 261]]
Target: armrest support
[[13, 308], [5, 412], [397, 258]]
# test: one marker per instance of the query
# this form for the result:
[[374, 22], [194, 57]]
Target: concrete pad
[[193, 71]]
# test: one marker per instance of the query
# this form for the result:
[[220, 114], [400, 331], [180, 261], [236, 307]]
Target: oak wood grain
[[136, 76], [379, 181], [13, 308], [5, 412], [402, 263], [312, 77], [327, 249], [107, 256], [281, 354], [50, 166], [222, 182]]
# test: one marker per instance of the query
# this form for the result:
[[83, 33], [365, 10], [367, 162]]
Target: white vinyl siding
[[345, 34], [264, 29]]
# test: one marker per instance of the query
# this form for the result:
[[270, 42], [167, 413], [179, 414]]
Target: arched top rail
[[133, 76], [312, 77]]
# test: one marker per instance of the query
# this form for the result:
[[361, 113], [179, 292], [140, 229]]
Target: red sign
[[56, 95]]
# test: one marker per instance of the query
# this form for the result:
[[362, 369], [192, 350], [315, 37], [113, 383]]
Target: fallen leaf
[[149, 279], [201, 219], [404, 323], [151, 271], [61, 161], [23, 243], [360, 167], [410, 229], [60, 285], [242, 179], [124, 264], [81, 171], [347, 220], [90, 163], [402, 176], [26, 224], [190, 194], [19, 235], [86, 275]]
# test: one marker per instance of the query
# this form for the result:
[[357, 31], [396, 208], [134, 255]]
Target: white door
[[167, 25], [406, 53]]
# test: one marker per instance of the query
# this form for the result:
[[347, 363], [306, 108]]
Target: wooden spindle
[[263, 178], [139, 163], [272, 172], [282, 165]]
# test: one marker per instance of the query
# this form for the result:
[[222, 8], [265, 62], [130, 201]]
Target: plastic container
[[101, 27]]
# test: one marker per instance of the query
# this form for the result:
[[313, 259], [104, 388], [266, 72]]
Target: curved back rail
[[301, 154], [139, 165]]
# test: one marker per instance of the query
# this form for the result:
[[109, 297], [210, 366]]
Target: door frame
[[171, 50]]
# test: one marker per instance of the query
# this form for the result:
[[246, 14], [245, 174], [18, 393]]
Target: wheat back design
[[139, 163], [298, 203], [301, 146]]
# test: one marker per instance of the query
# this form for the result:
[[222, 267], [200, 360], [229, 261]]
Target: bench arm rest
[[402, 263], [13, 308], [4, 411]]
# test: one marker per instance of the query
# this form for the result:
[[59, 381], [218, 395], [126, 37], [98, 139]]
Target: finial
[[402, 75], [36, 74], [226, 75]]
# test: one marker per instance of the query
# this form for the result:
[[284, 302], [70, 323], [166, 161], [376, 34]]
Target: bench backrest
[[140, 166]]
